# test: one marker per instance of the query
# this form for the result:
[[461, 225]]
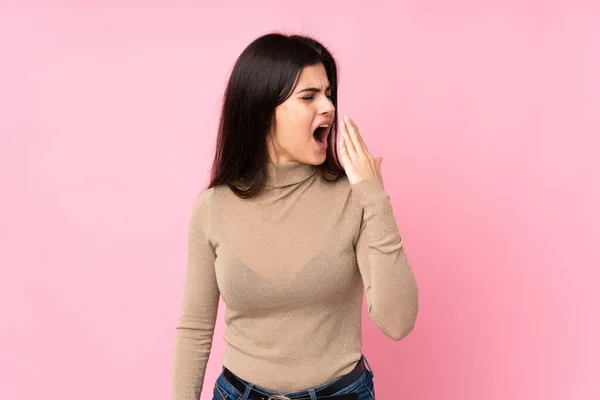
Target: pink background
[[486, 114]]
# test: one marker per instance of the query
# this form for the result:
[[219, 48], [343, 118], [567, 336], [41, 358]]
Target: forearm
[[391, 289]]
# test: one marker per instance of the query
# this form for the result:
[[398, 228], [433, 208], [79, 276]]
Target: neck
[[288, 173]]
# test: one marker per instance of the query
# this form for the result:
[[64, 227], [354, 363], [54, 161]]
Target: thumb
[[378, 162]]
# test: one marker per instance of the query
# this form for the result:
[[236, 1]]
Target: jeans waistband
[[304, 392]]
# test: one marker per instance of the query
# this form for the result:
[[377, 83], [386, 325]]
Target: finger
[[363, 144], [343, 146], [344, 151], [353, 133], [348, 140], [360, 141]]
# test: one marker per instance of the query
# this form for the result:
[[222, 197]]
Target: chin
[[320, 159], [315, 158]]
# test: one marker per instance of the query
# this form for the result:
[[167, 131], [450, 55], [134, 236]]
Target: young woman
[[290, 238]]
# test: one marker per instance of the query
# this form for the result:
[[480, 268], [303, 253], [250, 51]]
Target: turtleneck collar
[[288, 173]]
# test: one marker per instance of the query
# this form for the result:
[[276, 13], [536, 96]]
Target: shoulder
[[338, 189], [203, 204], [340, 184], [210, 197], [202, 215], [361, 193], [204, 198]]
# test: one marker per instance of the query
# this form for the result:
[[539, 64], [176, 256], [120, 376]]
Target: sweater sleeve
[[391, 289], [194, 333]]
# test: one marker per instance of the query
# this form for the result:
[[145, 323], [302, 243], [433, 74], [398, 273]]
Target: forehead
[[313, 75]]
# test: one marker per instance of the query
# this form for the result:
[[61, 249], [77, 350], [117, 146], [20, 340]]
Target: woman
[[289, 238]]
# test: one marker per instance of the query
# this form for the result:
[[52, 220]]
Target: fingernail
[[346, 117]]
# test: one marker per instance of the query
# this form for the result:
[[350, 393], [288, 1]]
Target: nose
[[326, 106]]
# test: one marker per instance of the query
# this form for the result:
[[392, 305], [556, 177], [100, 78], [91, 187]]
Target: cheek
[[299, 130], [294, 124], [304, 123]]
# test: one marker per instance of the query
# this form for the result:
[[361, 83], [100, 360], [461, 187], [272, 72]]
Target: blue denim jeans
[[362, 386]]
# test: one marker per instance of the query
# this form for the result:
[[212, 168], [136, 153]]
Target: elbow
[[399, 324], [400, 329]]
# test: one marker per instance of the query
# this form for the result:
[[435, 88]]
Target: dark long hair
[[264, 76]]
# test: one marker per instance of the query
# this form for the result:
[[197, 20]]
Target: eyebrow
[[314, 89]]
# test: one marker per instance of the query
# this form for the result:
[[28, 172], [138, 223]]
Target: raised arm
[[391, 289]]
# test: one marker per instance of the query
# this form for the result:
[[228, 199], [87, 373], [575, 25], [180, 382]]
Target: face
[[296, 135]]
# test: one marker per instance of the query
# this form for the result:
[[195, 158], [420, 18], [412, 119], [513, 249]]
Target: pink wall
[[487, 116]]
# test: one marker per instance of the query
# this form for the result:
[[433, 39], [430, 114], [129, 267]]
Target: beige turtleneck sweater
[[291, 265]]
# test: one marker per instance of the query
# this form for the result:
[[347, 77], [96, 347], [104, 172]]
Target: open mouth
[[320, 134]]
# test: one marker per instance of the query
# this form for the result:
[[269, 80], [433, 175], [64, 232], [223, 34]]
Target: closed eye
[[329, 96]]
